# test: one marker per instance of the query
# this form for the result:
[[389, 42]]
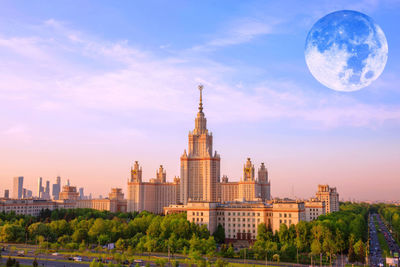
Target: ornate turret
[[263, 174], [136, 173], [248, 171], [161, 175]]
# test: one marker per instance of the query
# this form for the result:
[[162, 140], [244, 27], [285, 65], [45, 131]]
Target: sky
[[88, 87]]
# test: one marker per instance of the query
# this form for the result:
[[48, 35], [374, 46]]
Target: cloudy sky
[[88, 87]]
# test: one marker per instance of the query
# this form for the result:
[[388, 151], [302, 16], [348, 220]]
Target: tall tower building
[[330, 196], [200, 167], [40, 188], [56, 188], [46, 194], [18, 187], [6, 193]]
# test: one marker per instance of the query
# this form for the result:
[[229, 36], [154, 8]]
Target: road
[[375, 251]]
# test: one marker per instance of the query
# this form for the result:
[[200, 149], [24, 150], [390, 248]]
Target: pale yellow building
[[314, 208], [240, 219], [248, 188], [114, 203], [32, 206], [151, 196], [287, 212], [69, 193], [330, 196]]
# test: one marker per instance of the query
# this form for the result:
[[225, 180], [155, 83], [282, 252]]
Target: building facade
[[248, 188], [240, 219], [114, 203], [330, 196], [32, 206], [314, 208], [151, 196], [69, 193]]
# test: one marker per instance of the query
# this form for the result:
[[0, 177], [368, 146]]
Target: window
[[284, 215], [234, 214], [201, 219], [258, 214], [201, 214], [280, 215], [258, 220], [193, 213], [197, 213], [244, 219], [290, 215]]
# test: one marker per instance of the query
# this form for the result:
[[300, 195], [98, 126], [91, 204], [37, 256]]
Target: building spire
[[201, 99]]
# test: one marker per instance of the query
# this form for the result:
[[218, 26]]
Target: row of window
[[234, 230], [285, 215], [238, 225], [238, 219]]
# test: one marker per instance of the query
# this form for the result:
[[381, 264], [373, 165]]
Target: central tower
[[200, 168]]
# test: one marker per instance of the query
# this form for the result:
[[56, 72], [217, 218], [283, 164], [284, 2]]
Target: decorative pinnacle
[[201, 99]]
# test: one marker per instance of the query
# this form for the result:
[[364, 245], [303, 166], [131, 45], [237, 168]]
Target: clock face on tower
[[134, 172], [248, 170]]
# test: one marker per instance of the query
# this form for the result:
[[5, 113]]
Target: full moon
[[346, 50]]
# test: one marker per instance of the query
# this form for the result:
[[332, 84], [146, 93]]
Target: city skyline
[[83, 96]]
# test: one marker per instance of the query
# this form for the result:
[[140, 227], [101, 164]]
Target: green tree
[[219, 234], [359, 249], [351, 253]]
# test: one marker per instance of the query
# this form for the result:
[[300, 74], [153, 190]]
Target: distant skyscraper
[[81, 194], [18, 187], [6, 193], [46, 194], [40, 188], [57, 188], [27, 193]]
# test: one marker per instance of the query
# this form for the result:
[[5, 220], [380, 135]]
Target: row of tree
[[391, 215]]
